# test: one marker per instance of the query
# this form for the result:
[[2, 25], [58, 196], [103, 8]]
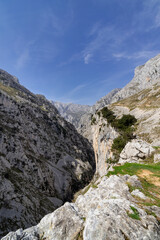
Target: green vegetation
[[149, 176], [93, 120], [108, 114], [119, 143], [111, 160], [145, 99], [94, 186], [9, 90], [125, 122], [133, 168], [135, 214], [124, 126]]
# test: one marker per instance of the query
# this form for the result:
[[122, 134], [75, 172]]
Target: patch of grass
[[94, 186], [9, 90], [145, 99], [133, 168], [150, 213], [156, 147], [131, 188], [148, 187], [135, 214]]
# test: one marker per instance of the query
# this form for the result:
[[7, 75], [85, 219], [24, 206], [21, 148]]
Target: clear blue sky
[[77, 50]]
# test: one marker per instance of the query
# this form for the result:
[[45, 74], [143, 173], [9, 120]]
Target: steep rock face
[[104, 212], [102, 135], [72, 112], [145, 77], [141, 98], [43, 158], [85, 120], [105, 100], [145, 107]]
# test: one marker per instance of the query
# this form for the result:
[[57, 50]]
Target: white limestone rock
[[156, 158], [139, 194], [135, 151], [145, 76], [133, 181], [101, 213]]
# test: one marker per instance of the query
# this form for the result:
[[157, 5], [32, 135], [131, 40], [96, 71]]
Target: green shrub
[[108, 114], [125, 122], [93, 120], [124, 127], [119, 143], [135, 214]]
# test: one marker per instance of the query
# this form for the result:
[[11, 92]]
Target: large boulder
[[135, 151]]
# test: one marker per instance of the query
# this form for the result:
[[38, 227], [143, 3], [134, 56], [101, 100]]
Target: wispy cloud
[[87, 58], [76, 89], [72, 95], [73, 58], [149, 17], [144, 54], [103, 41], [22, 59]]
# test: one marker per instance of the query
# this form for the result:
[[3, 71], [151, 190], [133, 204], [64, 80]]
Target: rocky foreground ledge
[[108, 210]]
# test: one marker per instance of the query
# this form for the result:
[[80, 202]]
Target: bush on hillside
[[119, 143], [125, 122], [108, 114]]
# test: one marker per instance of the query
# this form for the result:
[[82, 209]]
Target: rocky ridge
[[72, 112], [77, 114], [145, 77], [43, 158], [107, 99], [106, 211]]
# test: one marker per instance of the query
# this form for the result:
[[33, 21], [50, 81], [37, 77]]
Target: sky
[[77, 50]]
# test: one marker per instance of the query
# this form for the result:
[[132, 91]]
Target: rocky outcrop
[[145, 107], [105, 100], [72, 112], [145, 77], [102, 135], [105, 212], [157, 158], [43, 158], [135, 151]]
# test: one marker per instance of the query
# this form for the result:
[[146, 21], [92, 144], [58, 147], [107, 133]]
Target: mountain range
[[100, 181]]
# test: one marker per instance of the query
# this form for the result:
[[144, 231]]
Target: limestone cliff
[[145, 77], [141, 98], [43, 158]]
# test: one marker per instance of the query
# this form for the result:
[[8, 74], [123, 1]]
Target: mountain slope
[[72, 112], [105, 100], [145, 77], [43, 158]]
